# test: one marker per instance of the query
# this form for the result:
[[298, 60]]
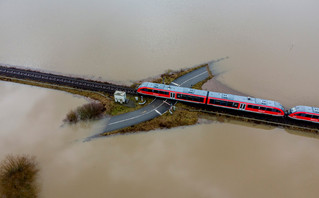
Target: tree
[[18, 176]]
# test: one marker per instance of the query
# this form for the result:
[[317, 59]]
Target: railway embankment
[[101, 92], [183, 114], [187, 114]]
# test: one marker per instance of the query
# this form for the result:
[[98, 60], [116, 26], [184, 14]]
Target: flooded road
[[272, 49]]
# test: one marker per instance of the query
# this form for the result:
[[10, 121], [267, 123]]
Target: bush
[[71, 117], [88, 111], [18, 177]]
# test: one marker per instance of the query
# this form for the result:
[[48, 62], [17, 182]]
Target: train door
[[242, 106], [172, 95]]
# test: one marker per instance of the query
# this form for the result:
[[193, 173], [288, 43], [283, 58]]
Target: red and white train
[[306, 113], [242, 103]]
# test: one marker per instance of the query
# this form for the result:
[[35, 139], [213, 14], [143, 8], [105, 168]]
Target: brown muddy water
[[272, 48]]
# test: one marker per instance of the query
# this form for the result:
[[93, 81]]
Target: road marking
[[166, 103], [193, 77], [152, 102], [175, 84], [157, 112], [135, 116]]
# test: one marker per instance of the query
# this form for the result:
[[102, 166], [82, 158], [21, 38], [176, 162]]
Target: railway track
[[60, 80], [283, 122], [85, 84]]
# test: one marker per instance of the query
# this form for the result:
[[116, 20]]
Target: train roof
[[213, 94], [174, 88], [307, 109], [246, 99]]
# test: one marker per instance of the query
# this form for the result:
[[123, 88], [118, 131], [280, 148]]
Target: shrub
[[18, 177], [71, 117], [86, 112]]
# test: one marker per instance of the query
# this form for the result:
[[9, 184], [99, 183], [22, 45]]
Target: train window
[[268, 109], [155, 91], [212, 101], [147, 90], [262, 108], [250, 106], [163, 92], [200, 99], [308, 116], [192, 98], [223, 103], [229, 104], [302, 114], [256, 107], [315, 116]]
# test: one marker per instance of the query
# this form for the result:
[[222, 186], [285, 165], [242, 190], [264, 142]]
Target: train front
[[141, 89]]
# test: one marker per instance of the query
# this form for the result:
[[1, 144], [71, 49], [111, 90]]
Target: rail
[[85, 84], [75, 82], [283, 122]]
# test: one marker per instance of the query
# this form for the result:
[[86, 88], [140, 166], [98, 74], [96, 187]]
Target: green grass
[[117, 108], [169, 76], [200, 84], [18, 176]]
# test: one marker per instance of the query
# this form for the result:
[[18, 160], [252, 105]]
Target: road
[[156, 108]]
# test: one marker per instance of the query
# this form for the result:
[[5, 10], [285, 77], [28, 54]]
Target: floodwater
[[272, 49]]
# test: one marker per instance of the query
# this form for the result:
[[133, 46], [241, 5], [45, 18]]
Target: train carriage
[[229, 101], [305, 113], [244, 103], [173, 92]]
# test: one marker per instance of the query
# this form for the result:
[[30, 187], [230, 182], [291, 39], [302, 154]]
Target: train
[[229, 101]]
